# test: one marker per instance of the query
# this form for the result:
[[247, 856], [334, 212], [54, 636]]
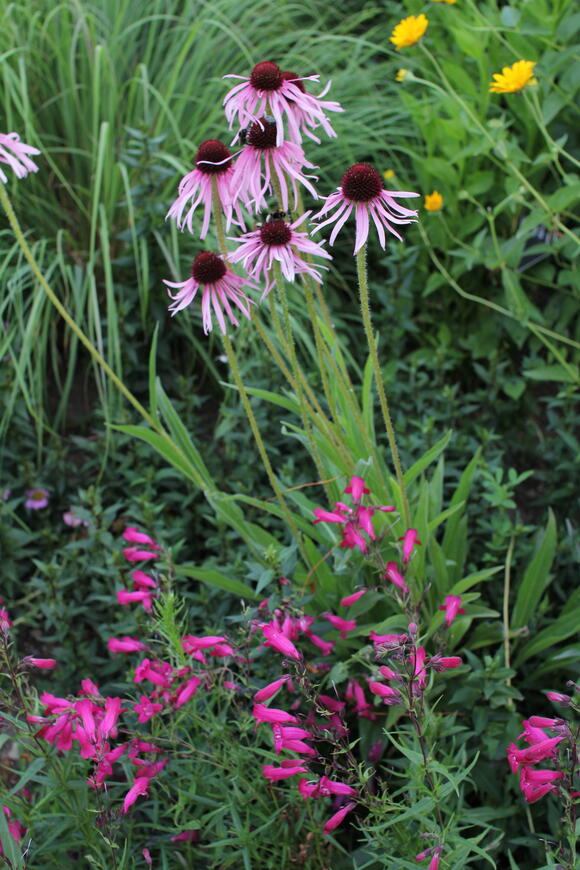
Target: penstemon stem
[[366, 315]]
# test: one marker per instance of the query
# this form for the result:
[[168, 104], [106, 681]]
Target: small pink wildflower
[[280, 642], [192, 836], [277, 241], [146, 708], [270, 690], [139, 787], [559, 698], [362, 190], [70, 519], [445, 663], [451, 607], [220, 289], [261, 713], [283, 94], [15, 153], [141, 580], [393, 574], [276, 773], [138, 554], [37, 498], [357, 488]]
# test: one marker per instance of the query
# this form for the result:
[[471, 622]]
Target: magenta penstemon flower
[[221, 289], [15, 154], [278, 241], [362, 189], [261, 159], [269, 89], [213, 162]]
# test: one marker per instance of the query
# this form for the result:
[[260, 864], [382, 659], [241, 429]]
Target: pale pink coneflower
[[269, 89], [362, 189], [278, 241], [262, 160], [36, 499], [213, 161], [15, 154], [220, 288]]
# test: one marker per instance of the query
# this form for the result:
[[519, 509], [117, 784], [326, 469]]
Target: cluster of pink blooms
[[355, 521], [273, 111], [535, 782], [143, 549]]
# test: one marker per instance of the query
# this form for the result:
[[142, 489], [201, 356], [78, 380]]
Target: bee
[[276, 216], [243, 135]]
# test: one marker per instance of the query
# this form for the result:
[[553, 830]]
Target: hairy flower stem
[[366, 315], [235, 369], [281, 288], [506, 610], [13, 220]]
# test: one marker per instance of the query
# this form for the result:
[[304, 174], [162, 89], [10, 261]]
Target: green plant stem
[[235, 369], [13, 220], [281, 288], [506, 606], [366, 315]]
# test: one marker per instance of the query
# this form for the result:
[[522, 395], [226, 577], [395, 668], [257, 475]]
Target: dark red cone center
[[212, 151], [361, 183], [208, 268], [289, 76], [262, 134], [275, 233], [266, 76]]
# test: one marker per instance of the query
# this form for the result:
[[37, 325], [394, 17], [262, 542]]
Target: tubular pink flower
[[85, 709], [392, 640], [389, 696], [283, 94], [187, 691], [277, 241], [192, 644], [298, 746], [138, 554], [141, 580], [451, 607], [445, 663], [559, 698], [409, 539], [342, 625], [325, 646], [263, 161], [280, 642], [191, 835], [43, 664], [328, 786], [108, 723], [276, 773], [357, 488], [139, 787], [125, 644], [134, 536], [270, 690], [394, 575], [221, 289], [536, 752], [146, 708], [212, 162], [15, 153], [350, 599], [335, 820], [124, 596], [362, 190], [261, 713], [331, 703], [544, 722]]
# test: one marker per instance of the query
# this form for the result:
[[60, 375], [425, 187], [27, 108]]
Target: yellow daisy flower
[[409, 30], [434, 201], [388, 174], [514, 78], [445, 1], [401, 75]]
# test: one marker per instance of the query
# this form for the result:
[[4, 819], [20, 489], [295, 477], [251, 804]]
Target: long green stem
[[506, 607], [361, 266], [235, 369], [13, 220]]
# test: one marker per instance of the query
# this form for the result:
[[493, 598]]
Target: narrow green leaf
[[164, 447], [536, 576], [559, 630], [212, 577], [427, 458]]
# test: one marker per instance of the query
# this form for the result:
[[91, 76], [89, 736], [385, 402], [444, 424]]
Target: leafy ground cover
[[400, 671]]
